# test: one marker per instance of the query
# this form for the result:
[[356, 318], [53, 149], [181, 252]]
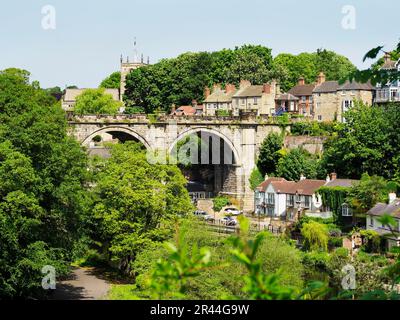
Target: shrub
[[220, 202], [315, 236]]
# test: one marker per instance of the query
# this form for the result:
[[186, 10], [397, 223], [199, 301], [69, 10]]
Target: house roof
[[283, 186], [326, 87], [250, 91], [342, 183], [389, 65], [392, 209], [219, 96], [307, 187], [72, 94], [334, 86], [356, 86], [302, 90], [185, 110], [287, 97], [264, 185]]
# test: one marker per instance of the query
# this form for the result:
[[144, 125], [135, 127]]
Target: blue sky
[[90, 35]]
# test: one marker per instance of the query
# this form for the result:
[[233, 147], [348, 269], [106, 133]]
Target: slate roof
[[302, 90], [392, 209], [287, 97], [334, 86], [219, 96], [342, 183], [326, 87], [356, 86], [250, 91]]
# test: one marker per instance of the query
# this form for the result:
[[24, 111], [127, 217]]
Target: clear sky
[[90, 35]]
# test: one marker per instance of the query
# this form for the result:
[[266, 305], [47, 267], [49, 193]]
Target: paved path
[[83, 284]]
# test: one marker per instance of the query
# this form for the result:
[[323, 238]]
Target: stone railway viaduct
[[243, 136]]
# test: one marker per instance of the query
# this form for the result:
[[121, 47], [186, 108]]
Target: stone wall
[[314, 145]]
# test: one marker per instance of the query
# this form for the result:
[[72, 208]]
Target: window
[[371, 221], [346, 210], [243, 101], [270, 211], [347, 104], [307, 202], [319, 118], [255, 100], [290, 201], [271, 198], [303, 99]]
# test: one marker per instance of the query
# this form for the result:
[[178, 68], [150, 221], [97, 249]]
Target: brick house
[[304, 92], [255, 98]]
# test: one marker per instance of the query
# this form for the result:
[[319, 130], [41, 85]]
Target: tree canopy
[[113, 81], [42, 195], [96, 101]]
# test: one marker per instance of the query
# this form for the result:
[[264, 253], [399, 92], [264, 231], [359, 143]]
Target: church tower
[[128, 65]]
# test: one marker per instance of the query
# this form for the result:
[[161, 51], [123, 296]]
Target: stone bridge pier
[[241, 139]]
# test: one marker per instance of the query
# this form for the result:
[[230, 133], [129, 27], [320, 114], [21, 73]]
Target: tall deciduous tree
[[113, 81], [137, 202], [42, 195], [270, 154], [96, 101]]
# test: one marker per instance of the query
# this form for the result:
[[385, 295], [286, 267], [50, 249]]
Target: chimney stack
[[302, 177], [244, 84], [301, 82], [207, 92], [333, 176], [216, 87], [173, 109], [194, 103], [230, 88], [266, 88], [387, 57], [321, 78]]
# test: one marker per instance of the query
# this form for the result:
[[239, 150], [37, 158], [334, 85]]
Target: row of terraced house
[[322, 101]]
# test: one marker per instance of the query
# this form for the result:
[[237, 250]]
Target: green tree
[[113, 81], [42, 172], [367, 143], [256, 178], [270, 154], [96, 101], [295, 163], [137, 202], [315, 235], [366, 194]]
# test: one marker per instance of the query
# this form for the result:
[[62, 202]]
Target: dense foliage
[[309, 65], [136, 202], [113, 81], [183, 79], [270, 154], [42, 173], [368, 142], [96, 101], [295, 163]]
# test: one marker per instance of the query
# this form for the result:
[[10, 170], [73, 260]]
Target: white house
[[380, 209], [286, 200]]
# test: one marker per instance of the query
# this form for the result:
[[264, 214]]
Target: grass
[[122, 292]]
